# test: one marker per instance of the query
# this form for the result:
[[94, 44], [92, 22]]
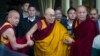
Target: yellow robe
[[53, 44]]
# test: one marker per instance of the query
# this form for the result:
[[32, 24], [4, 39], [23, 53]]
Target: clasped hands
[[30, 42]]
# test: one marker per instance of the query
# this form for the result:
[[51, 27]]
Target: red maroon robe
[[84, 34]]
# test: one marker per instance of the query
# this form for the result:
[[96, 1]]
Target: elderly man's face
[[94, 15], [50, 17], [14, 19], [81, 13]]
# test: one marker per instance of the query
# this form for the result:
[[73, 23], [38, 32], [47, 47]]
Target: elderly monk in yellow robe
[[49, 36]]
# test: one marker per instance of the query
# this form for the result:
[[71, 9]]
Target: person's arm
[[30, 33], [67, 38], [12, 39]]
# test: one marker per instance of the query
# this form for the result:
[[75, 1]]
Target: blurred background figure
[[71, 14], [24, 12], [94, 14], [59, 16], [25, 25], [95, 17], [96, 46], [96, 42]]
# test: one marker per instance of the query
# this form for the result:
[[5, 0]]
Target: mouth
[[17, 23], [51, 21]]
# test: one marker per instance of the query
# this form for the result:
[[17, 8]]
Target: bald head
[[12, 12], [49, 11], [81, 6], [81, 12], [49, 15], [13, 17]]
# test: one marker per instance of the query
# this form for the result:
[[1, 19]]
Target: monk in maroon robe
[[84, 32], [7, 34]]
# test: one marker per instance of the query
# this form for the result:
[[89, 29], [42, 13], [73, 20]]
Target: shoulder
[[23, 20], [9, 33], [5, 26], [41, 23], [10, 30], [96, 42], [58, 24], [90, 22], [37, 17]]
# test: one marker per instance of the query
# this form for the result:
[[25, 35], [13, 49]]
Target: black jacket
[[24, 26]]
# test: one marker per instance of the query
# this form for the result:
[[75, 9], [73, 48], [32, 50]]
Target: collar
[[31, 19]]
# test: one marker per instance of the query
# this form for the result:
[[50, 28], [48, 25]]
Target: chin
[[52, 22], [16, 25]]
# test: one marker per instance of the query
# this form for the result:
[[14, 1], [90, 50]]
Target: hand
[[67, 41], [30, 42]]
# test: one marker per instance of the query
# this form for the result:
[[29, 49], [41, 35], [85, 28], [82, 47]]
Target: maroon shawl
[[41, 34]]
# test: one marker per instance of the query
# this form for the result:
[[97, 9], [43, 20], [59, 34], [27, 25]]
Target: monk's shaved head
[[81, 13], [81, 6], [13, 17], [49, 11], [12, 13], [49, 15]]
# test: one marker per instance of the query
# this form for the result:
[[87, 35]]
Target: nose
[[81, 14]]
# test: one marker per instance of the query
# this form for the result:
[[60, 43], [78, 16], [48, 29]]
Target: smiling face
[[50, 15]]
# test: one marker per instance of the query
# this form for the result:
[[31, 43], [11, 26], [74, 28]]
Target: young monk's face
[[72, 14], [81, 13]]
